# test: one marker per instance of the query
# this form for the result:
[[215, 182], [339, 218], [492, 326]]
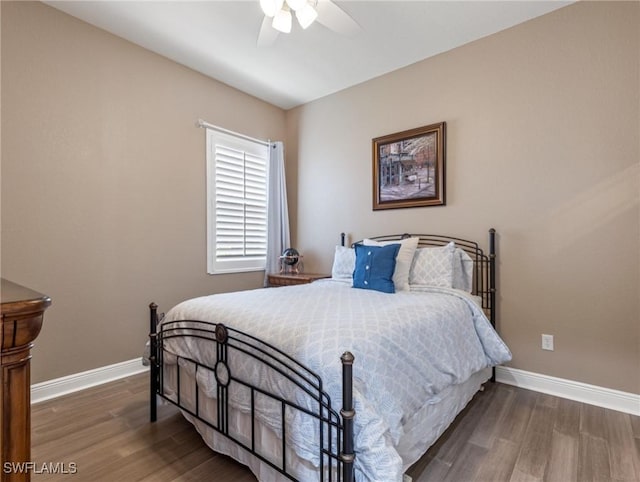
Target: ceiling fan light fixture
[[296, 4], [282, 21], [271, 7], [306, 15]]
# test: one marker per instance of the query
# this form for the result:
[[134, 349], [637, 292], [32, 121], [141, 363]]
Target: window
[[237, 173]]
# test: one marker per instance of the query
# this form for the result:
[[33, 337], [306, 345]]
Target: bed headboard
[[484, 264]]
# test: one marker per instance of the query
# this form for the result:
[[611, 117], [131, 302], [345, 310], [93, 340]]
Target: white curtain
[[278, 237]]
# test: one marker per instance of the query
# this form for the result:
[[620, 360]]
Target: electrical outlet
[[547, 342]]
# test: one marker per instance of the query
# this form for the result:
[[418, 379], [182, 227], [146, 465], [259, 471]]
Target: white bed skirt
[[420, 431]]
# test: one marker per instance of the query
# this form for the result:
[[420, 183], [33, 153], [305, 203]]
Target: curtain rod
[[204, 124]]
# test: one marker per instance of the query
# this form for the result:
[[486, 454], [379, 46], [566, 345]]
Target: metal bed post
[[492, 286], [347, 456], [492, 275], [153, 362]]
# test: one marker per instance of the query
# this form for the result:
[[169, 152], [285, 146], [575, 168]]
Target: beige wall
[[103, 182], [103, 201], [543, 124]]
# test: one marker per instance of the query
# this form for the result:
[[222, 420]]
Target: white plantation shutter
[[237, 173]]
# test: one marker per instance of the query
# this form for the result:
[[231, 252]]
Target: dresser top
[[14, 294]]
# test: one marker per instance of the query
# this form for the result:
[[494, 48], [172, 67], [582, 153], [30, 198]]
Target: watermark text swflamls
[[61, 468]]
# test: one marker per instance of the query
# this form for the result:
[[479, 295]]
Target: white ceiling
[[218, 39]]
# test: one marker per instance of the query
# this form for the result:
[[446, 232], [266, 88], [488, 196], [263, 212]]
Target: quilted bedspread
[[408, 346]]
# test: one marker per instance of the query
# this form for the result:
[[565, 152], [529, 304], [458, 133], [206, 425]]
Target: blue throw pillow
[[375, 266]]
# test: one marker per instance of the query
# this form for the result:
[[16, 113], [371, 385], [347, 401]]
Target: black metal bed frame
[[484, 265], [336, 452]]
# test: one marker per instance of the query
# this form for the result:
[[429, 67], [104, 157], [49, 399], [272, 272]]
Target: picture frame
[[409, 168]]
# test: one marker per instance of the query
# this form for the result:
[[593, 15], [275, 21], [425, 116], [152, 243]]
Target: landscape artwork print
[[409, 168]]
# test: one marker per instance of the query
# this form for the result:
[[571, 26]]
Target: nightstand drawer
[[282, 279]]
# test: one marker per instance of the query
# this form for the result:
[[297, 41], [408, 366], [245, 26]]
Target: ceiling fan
[[278, 18]]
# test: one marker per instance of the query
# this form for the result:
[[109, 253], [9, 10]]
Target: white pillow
[[344, 262], [462, 271], [433, 266], [403, 259]]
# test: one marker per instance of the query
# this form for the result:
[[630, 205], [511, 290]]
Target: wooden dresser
[[22, 311], [283, 279]]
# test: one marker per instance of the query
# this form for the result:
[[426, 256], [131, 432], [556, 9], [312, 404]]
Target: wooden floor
[[505, 434]]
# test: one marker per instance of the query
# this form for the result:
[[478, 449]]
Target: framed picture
[[409, 168]]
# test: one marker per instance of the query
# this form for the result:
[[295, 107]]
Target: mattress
[[410, 349]]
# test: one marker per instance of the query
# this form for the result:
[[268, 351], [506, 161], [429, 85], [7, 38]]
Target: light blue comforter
[[408, 347]]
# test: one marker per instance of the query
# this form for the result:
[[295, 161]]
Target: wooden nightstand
[[283, 279]]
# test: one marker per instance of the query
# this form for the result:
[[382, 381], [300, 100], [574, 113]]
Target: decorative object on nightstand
[[289, 279], [290, 261]]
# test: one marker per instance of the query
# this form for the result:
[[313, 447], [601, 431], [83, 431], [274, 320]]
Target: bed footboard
[[335, 440]]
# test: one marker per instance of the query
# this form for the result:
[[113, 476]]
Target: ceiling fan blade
[[268, 34], [334, 18]]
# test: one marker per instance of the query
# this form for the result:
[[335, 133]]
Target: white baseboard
[[578, 391], [79, 381]]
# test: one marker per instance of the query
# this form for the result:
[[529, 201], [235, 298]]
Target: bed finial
[[492, 243]]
